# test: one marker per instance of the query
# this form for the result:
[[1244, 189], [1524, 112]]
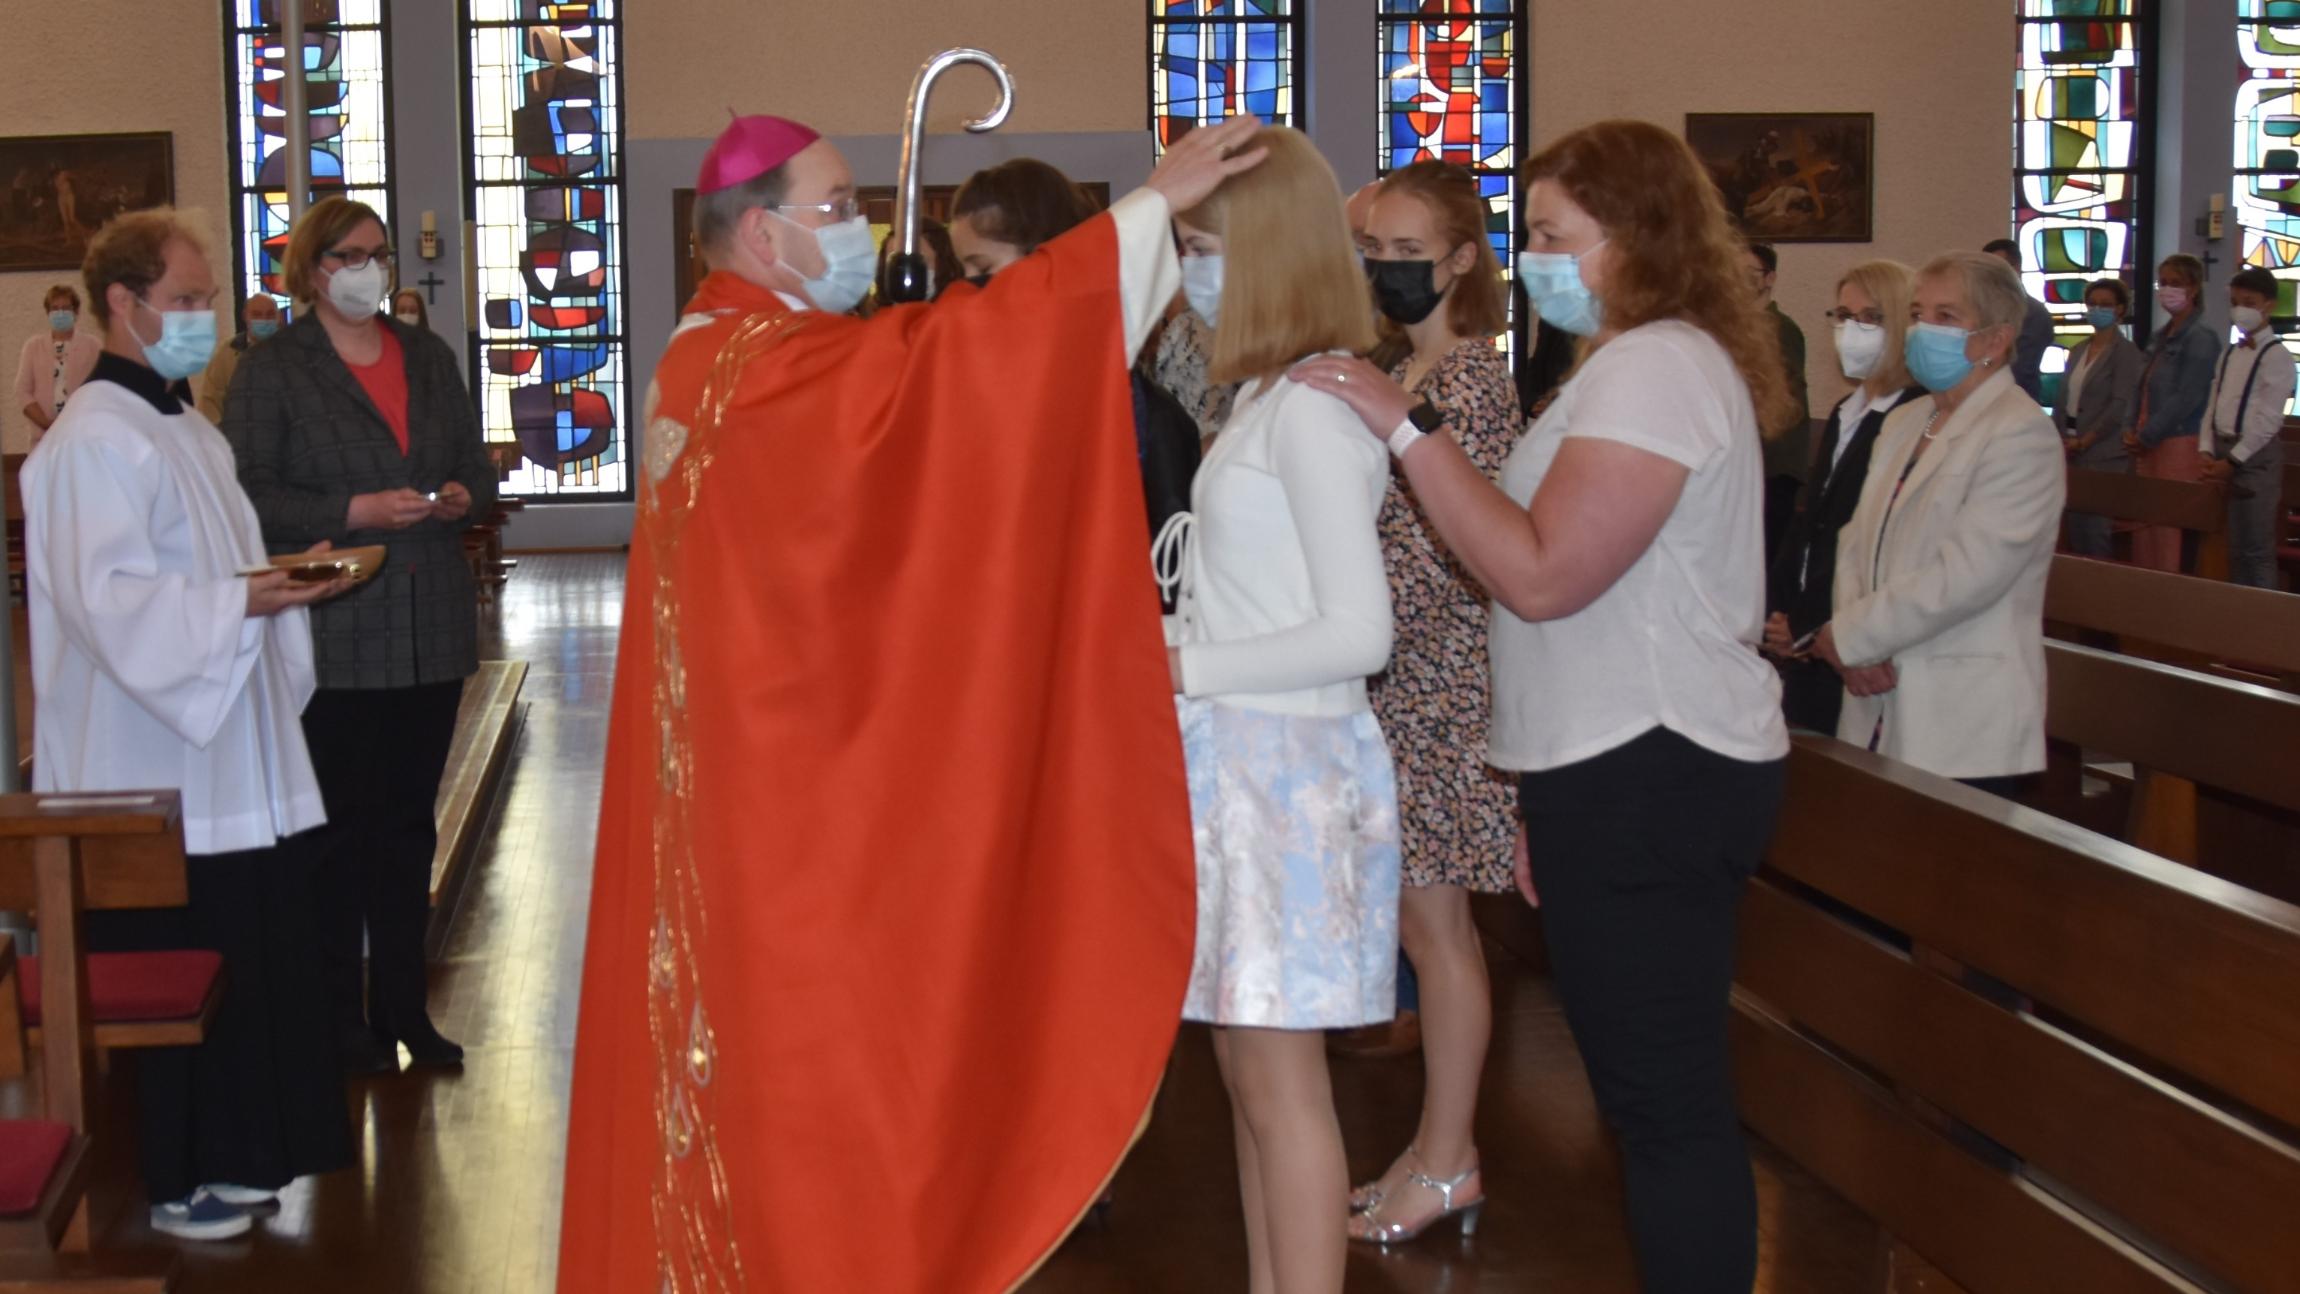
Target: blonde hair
[[1291, 286], [132, 251], [327, 223], [1890, 285]]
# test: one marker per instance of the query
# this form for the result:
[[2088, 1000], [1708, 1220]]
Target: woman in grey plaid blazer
[[353, 428]]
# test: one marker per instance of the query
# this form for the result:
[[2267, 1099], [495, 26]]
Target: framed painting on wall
[[1795, 177], [876, 201], [56, 191]]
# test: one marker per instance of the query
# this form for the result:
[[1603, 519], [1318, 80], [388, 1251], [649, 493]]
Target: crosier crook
[[906, 275]]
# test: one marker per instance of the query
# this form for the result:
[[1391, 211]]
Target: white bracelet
[[1404, 437]]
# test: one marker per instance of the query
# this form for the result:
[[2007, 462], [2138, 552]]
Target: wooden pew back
[[55, 851], [2186, 505], [2149, 1090], [2176, 617]]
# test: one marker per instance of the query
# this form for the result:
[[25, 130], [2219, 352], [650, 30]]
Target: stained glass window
[[346, 59], [1211, 59], [2079, 187], [2268, 150], [1450, 91], [546, 172]]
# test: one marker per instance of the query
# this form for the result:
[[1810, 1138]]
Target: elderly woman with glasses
[[352, 427]]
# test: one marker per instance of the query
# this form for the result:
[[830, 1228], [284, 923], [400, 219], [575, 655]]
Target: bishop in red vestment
[[894, 892]]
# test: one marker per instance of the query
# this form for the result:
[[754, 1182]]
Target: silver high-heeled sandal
[[1385, 1234]]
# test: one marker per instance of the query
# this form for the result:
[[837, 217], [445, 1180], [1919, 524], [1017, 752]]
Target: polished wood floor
[[459, 1187]]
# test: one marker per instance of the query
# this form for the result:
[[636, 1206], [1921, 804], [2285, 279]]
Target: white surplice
[[147, 671]]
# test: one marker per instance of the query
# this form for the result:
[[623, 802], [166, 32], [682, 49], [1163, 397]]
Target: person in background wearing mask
[[2240, 439], [2035, 328], [1285, 614], [1438, 285], [54, 362], [1871, 324], [155, 663], [1939, 621], [2096, 404], [2175, 387], [350, 426], [408, 308], [262, 313], [1789, 443]]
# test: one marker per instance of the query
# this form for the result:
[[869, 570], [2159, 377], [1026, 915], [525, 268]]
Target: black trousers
[[261, 1101], [1641, 855], [379, 756]]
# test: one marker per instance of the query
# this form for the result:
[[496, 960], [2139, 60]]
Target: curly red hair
[[1675, 253]]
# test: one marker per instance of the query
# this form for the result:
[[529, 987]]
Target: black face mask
[[1406, 291], [979, 280]]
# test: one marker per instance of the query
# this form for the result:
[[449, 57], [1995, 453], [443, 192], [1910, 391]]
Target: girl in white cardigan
[[1285, 611]]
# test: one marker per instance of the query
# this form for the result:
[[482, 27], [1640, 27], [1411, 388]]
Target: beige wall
[[845, 66], [68, 76], [1937, 76]]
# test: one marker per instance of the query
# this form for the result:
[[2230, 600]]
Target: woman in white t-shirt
[[1625, 553], [1284, 613]]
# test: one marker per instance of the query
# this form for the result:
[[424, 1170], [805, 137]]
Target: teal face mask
[[1936, 355], [1553, 284], [186, 343]]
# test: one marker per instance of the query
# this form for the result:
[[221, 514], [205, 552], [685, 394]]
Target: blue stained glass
[[1208, 60]]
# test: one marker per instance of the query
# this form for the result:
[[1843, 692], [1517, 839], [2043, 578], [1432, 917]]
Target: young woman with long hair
[[1284, 613]]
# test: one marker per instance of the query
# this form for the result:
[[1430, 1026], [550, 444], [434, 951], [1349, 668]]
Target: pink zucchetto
[[750, 147]]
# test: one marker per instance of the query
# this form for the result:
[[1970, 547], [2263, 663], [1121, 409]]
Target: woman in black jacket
[[1871, 323], [351, 427]]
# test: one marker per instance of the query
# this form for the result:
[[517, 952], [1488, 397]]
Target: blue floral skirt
[[1296, 824]]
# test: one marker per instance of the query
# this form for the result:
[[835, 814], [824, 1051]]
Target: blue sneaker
[[201, 1216]]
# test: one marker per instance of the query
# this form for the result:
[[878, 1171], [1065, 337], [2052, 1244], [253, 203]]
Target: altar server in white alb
[[156, 665]]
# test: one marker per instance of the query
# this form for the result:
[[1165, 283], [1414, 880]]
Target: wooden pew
[[58, 856], [2201, 508], [2146, 1104], [88, 1274], [2179, 619], [2216, 762]]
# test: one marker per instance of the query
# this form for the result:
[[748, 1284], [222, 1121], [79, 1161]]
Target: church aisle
[[459, 1186]]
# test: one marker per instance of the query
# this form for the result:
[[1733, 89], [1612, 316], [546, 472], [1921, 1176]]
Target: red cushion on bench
[[124, 988], [30, 1149]]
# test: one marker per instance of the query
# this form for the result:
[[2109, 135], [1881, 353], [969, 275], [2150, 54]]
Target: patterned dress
[[1185, 353], [1458, 816]]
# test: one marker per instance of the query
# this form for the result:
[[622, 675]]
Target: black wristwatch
[[1426, 418]]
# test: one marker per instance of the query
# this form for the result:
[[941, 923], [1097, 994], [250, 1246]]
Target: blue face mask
[[186, 343], [1936, 355], [2101, 317], [1202, 284], [1553, 284], [61, 320], [263, 329]]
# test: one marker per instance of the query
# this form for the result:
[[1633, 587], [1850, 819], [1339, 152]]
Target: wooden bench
[[2145, 500], [60, 855], [486, 728], [2131, 1131], [134, 1000], [2253, 634]]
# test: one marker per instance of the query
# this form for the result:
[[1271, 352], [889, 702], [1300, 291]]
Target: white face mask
[[410, 318], [359, 293], [2246, 319], [850, 263], [1859, 348], [1202, 284]]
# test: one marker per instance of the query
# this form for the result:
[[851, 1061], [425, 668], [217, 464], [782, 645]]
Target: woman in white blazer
[[1939, 622]]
